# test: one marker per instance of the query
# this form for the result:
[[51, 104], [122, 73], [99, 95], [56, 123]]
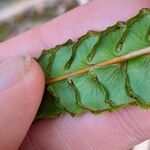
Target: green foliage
[[99, 88], [4, 31]]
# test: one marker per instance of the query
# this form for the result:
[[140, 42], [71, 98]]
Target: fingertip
[[18, 106]]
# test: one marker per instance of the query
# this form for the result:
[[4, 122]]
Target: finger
[[21, 89], [117, 131], [96, 15]]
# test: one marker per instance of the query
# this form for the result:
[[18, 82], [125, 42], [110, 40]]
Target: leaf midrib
[[116, 60]]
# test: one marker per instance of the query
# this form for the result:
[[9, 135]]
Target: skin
[[119, 130]]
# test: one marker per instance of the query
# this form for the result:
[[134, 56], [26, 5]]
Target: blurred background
[[21, 15]]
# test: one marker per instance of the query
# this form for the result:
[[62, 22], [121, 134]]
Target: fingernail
[[12, 70]]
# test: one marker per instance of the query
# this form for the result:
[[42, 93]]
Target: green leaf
[[101, 71], [66, 95], [91, 94], [139, 78], [49, 107]]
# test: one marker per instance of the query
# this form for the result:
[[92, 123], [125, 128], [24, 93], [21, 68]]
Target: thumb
[[21, 89]]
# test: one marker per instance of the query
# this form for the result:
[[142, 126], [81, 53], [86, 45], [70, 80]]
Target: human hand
[[22, 85]]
